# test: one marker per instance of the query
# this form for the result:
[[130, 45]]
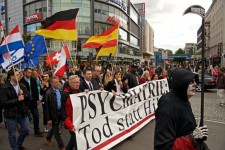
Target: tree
[[179, 51], [169, 52]]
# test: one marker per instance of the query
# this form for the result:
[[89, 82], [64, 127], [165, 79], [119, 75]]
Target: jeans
[[11, 127], [55, 131], [35, 114], [72, 142]]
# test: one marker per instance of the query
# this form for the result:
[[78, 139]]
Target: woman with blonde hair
[[108, 77], [145, 77]]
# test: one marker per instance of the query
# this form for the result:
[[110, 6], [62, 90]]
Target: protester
[[108, 77], [2, 82], [85, 84], [221, 87], [158, 70], [95, 80], [164, 74], [155, 77], [31, 86], [38, 80], [176, 127], [115, 85], [45, 85], [74, 83], [145, 77], [54, 112], [14, 100], [132, 76], [151, 71]]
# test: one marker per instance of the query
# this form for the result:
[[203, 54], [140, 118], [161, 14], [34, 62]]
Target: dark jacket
[[50, 107], [96, 83], [10, 103], [112, 86], [175, 121], [83, 86], [33, 89], [221, 81], [132, 79]]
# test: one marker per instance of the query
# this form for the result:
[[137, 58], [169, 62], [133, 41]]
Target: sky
[[171, 29]]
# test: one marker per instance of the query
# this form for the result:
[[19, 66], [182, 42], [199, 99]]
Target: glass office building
[[94, 17]]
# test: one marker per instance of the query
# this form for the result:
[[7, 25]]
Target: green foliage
[[179, 51], [169, 52]]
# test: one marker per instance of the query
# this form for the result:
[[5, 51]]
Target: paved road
[[143, 140]]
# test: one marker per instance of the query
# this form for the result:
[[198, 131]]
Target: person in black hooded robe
[[176, 127]]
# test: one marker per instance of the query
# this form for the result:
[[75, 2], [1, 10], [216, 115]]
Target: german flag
[[61, 25]]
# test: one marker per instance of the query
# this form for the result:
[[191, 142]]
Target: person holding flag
[[14, 99]]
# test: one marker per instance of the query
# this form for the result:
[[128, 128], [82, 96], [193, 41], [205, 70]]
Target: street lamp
[[199, 10]]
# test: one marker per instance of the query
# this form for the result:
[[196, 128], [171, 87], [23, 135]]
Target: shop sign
[[34, 17], [121, 3]]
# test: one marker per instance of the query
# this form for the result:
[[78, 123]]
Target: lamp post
[[199, 10]]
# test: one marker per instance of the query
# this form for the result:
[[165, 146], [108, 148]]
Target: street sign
[[158, 57], [187, 56], [164, 54]]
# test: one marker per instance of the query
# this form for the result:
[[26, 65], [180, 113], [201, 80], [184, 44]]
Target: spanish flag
[[61, 25], [110, 46], [108, 38]]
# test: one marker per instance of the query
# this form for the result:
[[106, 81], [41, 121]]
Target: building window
[[134, 15], [133, 40], [122, 34]]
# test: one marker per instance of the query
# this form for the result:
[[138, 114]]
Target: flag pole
[[107, 65], [70, 54], [10, 58], [117, 41], [75, 59], [49, 60], [34, 67], [48, 56]]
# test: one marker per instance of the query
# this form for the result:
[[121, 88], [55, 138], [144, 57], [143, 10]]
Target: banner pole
[[107, 65]]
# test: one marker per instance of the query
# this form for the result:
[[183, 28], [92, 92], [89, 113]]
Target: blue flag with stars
[[34, 48], [32, 63]]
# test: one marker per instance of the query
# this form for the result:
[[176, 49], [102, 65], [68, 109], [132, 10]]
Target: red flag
[[61, 67], [54, 58]]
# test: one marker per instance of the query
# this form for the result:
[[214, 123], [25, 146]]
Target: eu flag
[[32, 63], [34, 48]]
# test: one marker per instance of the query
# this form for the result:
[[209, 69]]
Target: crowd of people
[[22, 91]]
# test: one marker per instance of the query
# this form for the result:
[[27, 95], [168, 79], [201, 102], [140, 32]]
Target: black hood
[[180, 80]]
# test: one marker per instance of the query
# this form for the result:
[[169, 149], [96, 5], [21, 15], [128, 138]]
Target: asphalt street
[[143, 140]]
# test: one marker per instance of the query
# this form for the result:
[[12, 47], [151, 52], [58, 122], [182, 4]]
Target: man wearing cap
[[132, 76], [176, 127]]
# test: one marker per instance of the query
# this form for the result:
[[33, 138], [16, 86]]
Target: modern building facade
[[215, 33], [190, 48], [94, 17], [147, 34]]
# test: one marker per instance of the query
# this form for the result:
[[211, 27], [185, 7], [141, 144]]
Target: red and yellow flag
[[108, 38], [61, 25]]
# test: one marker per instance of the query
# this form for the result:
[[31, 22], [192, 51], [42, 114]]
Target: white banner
[[102, 120]]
